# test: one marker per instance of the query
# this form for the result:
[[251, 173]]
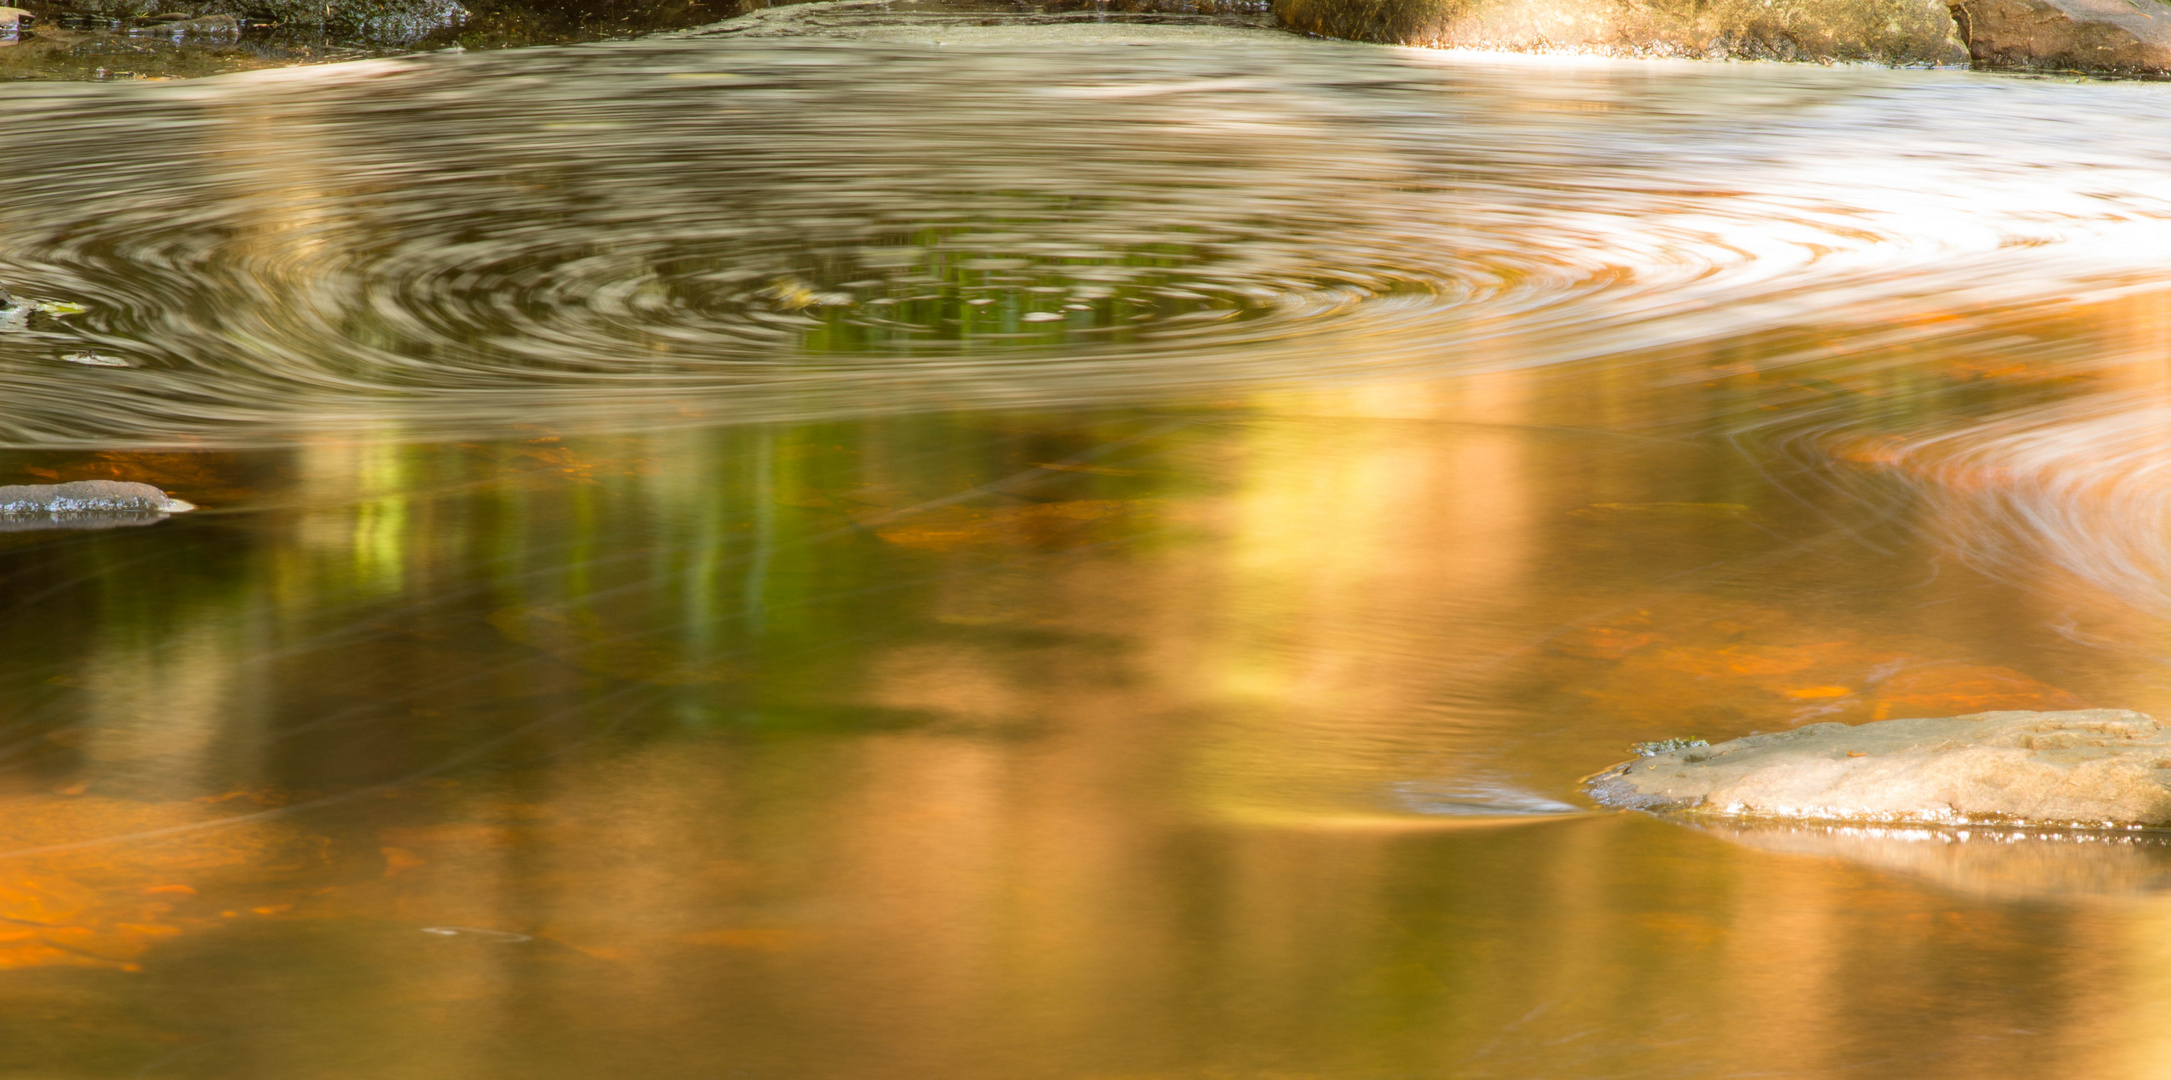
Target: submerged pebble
[[506, 936], [95, 359]]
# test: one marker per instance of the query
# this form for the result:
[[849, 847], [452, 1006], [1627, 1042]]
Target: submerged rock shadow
[[1999, 863]]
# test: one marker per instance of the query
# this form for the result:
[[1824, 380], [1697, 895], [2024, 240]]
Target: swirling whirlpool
[[703, 229]]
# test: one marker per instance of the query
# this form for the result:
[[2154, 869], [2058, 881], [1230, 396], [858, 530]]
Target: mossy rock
[[388, 14]]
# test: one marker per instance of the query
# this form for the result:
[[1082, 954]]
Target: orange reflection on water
[[71, 894], [1200, 762]]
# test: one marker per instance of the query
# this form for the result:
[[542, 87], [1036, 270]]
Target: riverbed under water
[[859, 545]]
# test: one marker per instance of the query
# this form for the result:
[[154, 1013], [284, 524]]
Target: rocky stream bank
[[163, 39], [2100, 37], [102, 39]]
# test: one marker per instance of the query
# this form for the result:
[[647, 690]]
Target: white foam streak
[[2085, 487], [438, 248]]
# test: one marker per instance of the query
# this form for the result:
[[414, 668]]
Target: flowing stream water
[[882, 541]]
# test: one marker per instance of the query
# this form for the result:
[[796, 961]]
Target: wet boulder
[[84, 504], [377, 18], [2116, 37], [14, 19], [1900, 32], [205, 26], [2086, 767]]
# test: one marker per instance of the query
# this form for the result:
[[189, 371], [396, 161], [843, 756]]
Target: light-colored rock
[[87, 497], [14, 18], [2123, 37], [2088, 767], [1879, 31]]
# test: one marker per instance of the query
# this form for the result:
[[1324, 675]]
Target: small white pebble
[[1043, 316], [92, 359], [476, 931]]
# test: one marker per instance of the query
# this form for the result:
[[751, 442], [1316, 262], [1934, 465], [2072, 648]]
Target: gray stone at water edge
[[87, 497], [2088, 767]]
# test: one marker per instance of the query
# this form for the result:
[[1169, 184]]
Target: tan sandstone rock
[[2123, 37], [2091, 767], [1879, 31]]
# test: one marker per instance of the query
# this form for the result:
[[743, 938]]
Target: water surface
[[1093, 551]]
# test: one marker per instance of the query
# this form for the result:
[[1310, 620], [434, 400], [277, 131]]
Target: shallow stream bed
[[911, 548]]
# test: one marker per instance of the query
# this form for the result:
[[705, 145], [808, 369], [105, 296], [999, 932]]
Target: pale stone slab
[[84, 504], [2087, 767], [86, 496]]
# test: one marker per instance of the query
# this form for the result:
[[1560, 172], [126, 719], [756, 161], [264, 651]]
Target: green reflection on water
[[953, 285], [1137, 743]]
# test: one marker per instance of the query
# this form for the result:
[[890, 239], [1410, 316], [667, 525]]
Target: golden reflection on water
[[529, 727], [1237, 739]]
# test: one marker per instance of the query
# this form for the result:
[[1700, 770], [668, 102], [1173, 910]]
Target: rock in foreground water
[[2083, 767], [85, 497]]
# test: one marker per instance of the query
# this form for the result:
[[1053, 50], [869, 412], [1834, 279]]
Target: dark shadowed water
[[867, 546]]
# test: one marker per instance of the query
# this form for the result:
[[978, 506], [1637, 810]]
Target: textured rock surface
[[1882, 31], [86, 497], [2084, 767], [393, 15], [2123, 37]]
